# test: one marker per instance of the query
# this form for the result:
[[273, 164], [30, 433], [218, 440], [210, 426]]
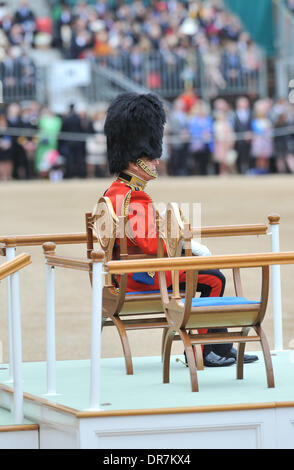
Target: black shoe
[[247, 357], [213, 360]]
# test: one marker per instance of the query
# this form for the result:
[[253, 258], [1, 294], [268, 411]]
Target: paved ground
[[44, 207]]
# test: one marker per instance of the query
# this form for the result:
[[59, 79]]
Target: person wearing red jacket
[[134, 130]]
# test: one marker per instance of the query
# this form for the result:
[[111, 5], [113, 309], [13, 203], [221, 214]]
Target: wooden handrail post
[[10, 269], [274, 221], [97, 286], [14, 333], [17, 349], [49, 249], [10, 248]]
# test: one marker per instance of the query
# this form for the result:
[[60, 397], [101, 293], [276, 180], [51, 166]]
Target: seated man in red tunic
[[134, 130]]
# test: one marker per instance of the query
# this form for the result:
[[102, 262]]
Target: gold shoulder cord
[[126, 203], [129, 235], [125, 211]]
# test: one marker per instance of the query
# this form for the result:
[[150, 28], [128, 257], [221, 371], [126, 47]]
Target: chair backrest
[[178, 236], [104, 224], [107, 227]]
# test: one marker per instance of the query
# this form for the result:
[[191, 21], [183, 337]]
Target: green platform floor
[[145, 390]]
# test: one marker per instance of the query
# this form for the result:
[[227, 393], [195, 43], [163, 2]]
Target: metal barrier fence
[[165, 73], [162, 71], [19, 80]]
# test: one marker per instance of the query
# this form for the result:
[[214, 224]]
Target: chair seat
[[220, 301], [143, 292]]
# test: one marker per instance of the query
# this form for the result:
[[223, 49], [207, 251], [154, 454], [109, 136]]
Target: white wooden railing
[[8, 247]]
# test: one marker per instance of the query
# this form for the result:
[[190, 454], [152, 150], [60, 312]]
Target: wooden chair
[[127, 311], [193, 313]]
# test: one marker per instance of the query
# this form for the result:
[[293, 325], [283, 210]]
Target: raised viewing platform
[[139, 411]]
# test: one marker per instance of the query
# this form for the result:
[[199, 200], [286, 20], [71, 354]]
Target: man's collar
[[132, 180]]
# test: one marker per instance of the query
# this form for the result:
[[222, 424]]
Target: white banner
[[70, 73]]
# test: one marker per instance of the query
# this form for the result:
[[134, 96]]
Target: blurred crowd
[[170, 33], [18, 30], [38, 143], [220, 139], [200, 139], [290, 5]]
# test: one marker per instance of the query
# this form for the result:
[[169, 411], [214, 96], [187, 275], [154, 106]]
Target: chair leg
[[125, 344], [164, 333], [104, 319], [240, 356], [168, 339], [190, 359], [267, 357], [198, 356]]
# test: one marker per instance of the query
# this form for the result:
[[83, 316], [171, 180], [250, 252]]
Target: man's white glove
[[198, 249]]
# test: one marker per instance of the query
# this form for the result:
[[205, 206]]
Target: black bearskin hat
[[134, 128]]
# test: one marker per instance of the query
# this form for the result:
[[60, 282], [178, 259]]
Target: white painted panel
[[55, 437], [285, 428], [252, 429], [217, 437], [19, 440]]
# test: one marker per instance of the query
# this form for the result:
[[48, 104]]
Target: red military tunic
[[142, 223]]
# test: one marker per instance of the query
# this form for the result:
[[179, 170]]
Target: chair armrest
[[245, 260], [63, 261], [71, 263]]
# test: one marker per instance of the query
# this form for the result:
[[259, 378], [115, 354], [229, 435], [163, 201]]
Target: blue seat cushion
[[220, 301]]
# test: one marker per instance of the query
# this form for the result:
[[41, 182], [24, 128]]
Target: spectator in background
[[212, 63], [188, 97], [281, 143], [290, 5], [63, 18], [201, 138], [15, 35], [262, 142], [82, 39], [6, 151], [224, 140], [25, 17], [49, 127], [242, 123], [231, 65], [27, 72], [72, 149], [3, 10], [96, 148], [23, 13], [178, 126], [28, 141], [20, 162], [87, 128], [8, 72]]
